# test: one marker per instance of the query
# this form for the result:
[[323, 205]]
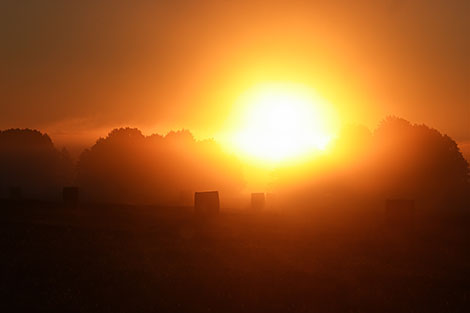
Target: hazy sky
[[78, 68]]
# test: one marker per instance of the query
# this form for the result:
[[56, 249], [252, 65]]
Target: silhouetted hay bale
[[258, 201], [15, 193], [400, 212], [70, 196], [206, 202]]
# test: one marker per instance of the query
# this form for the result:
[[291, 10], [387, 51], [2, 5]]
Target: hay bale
[[258, 201], [400, 212], [70, 195], [206, 203]]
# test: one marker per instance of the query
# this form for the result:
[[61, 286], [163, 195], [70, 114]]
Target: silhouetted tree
[[397, 160], [419, 162], [28, 159], [127, 166]]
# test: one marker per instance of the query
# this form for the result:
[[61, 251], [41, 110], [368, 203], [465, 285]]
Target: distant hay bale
[[70, 196], [258, 201], [206, 203], [400, 212], [15, 193]]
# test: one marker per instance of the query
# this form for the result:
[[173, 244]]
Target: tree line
[[398, 159]]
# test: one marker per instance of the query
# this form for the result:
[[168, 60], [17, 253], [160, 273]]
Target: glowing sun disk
[[282, 121]]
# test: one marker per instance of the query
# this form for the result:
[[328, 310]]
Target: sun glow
[[283, 121]]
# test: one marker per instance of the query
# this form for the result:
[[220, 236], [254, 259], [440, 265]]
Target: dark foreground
[[124, 259]]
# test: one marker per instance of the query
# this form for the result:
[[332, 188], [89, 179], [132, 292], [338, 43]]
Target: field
[[151, 259]]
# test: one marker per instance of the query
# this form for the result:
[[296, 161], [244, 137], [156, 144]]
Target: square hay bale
[[15, 193], [206, 202], [400, 212], [258, 201], [70, 195]]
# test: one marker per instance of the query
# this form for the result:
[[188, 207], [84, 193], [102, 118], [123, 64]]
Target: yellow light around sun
[[282, 121]]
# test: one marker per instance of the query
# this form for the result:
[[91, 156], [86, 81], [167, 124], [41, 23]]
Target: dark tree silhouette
[[28, 159], [127, 166], [397, 160], [419, 162]]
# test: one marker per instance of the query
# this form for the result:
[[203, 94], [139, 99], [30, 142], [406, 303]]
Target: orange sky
[[76, 70]]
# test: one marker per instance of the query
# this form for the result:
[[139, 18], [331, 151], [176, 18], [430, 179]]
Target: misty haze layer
[[397, 160]]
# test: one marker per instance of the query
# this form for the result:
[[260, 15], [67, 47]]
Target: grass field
[[149, 259]]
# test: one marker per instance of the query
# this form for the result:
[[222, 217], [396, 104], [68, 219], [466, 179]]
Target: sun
[[282, 121]]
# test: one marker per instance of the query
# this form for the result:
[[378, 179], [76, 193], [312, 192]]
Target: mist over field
[[235, 156]]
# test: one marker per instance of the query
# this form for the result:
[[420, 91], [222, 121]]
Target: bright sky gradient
[[78, 69]]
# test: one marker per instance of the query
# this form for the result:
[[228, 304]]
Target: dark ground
[[142, 259]]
